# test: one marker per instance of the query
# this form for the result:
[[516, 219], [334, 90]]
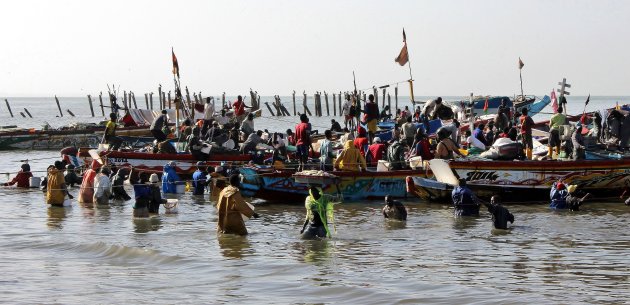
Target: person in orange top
[[361, 142], [22, 178], [86, 192]]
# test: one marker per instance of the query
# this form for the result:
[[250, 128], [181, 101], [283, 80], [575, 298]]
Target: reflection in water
[[56, 215], [233, 246], [463, 223], [391, 224], [144, 225], [314, 251]]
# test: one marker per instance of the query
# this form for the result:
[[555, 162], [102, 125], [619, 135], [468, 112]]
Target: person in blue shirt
[[142, 191], [565, 197], [199, 179], [170, 179], [464, 200], [478, 133]]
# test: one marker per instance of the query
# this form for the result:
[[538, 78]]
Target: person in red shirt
[[526, 133], [361, 142], [376, 151], [22, 177], [302, 141], [239, 106]]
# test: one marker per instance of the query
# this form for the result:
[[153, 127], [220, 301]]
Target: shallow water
[[78, 255], [103, 255]]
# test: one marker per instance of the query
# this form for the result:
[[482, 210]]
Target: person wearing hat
[[156, 196], [577, 139], [464, 200], [22, 179], [394, 209], [500, 215], [71, 176], [199, 179], [231, 208], [157, 125], [102, 187], [170, 179], [376, 151], [573, 200]]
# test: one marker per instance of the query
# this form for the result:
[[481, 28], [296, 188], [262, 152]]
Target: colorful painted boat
[[14, 138], [525, 181], [269, 184]]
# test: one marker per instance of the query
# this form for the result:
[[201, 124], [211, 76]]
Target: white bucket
[[415, 162], [67, 203], [206, 149], [34, 181], [180, 188], [170, 206], [382, 166]]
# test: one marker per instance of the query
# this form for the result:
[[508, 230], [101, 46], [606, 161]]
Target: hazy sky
[[456, 47]]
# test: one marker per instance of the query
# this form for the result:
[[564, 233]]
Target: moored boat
[[523, 181]]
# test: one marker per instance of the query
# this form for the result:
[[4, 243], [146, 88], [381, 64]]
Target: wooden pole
[[303, 102], [160, 97], [91, 106], [223, 100], [334, 104], [9, 107], [269, 108], [294, 110], [100, 99], [326, 99], [27, 112], [340, 104], [22, 113], [163, 103], [125, 100], [70, 112], [396, 98], [389, 103], [58, 106], [151, 100], [133, 97], [146, 100], [384, 93], [169, 99]]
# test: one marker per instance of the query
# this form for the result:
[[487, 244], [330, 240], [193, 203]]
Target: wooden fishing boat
[[273, 185], [186, 164], [523, 181]]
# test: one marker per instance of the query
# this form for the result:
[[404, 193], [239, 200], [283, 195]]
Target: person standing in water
[[56, 189], [394, 209], [319, 213], [102, 187], [500, 215], [22, 178], [231, 206], [464, 200], [199, 179]]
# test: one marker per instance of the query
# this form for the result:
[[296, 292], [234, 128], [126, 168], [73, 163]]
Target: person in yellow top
[[230, 207], [319, 214], [555, 122], [56, 186], [350, 159], [110, 133]]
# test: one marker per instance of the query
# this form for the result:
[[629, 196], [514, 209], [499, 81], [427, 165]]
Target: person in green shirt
[[555, 122]]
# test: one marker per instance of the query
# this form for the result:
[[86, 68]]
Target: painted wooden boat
[[526, 181], [269, 184]]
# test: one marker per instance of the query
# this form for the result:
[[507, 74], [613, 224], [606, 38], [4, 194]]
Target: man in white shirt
[[474, 142]]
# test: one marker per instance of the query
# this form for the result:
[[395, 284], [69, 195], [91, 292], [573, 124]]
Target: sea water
[[76, 255]]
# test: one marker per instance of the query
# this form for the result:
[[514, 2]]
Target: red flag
[[403, 56], [554, 101], [485, 106], [175, 64]]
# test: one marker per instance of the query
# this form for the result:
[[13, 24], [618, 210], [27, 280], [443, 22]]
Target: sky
[[75, 48]]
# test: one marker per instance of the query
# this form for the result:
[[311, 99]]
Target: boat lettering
[[117, 160], [492, 176]]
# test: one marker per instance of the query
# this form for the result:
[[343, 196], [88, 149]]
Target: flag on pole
[[485, 106], [403, 56], [520, 64], [175, 64], [554, 101], [588, 99]]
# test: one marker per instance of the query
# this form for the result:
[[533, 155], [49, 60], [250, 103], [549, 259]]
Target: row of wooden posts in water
[[166, 102]]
